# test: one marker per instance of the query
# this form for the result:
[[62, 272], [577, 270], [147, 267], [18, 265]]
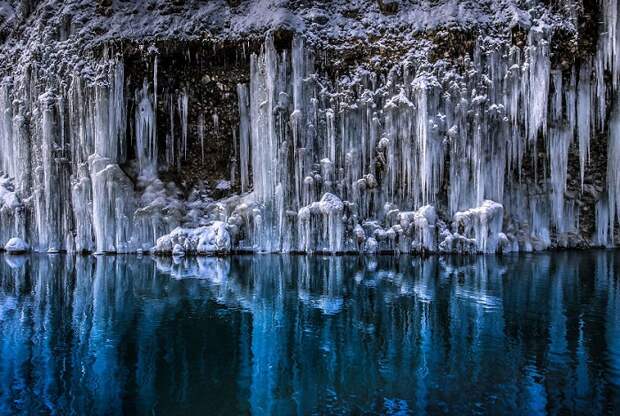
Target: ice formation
[[426, 157], [211, 239], [16, 245]]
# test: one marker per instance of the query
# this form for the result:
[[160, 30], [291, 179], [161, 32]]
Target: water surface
[[285, 335]]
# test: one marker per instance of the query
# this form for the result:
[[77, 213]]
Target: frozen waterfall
[[426, 157]]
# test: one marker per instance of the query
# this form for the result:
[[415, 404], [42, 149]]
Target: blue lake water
[[286, 335]]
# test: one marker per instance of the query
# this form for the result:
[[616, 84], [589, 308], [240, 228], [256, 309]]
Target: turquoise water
[[285, 335]]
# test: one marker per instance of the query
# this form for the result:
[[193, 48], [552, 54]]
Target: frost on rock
[[419, 227], [482, 225], [328, 214], [12, 212], [16, 245], [210, 239]]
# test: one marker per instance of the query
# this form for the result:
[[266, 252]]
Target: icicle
[[155, 89], [48, 209], [331, 135], [216, 122], [610, 41], [7, 149], [118, 118], [613, 161], [332, 161], [558, 142], [483, 223], [424, 145], [201, 136], [146, 139], [584, 105], [539, 67], [244, 136], [602, 223], [183, 109], [112, 206], [173, 156], [81, 198]]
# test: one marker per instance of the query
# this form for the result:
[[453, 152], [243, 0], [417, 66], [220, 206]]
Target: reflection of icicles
[[214, 269], [612, 335]]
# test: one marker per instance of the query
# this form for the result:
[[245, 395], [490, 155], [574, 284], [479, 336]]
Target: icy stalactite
[[322, 222], [244, 136], [382, 149], [146, 132], [613, 161], [7, 142], [112, 205], [609, 58], [183, 110], [483, 224], [539, 66], [49, 198], [269, 148], [584, 117], [609, 46], [81, 198], [558, 142], [201, 136], [12, 212], [602, 224], [418, 228]]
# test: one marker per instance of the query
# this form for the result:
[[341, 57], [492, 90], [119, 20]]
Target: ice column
[[244, 136]]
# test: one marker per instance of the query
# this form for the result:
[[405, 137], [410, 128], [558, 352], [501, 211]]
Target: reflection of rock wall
[[327, 331]]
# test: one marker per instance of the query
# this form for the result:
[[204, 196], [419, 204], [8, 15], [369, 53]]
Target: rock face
[[208, 127]]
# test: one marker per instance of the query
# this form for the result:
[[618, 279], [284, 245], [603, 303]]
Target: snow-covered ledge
[[16, 246], [209, 239]]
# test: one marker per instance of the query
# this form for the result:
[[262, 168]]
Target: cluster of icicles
[[425, 158]]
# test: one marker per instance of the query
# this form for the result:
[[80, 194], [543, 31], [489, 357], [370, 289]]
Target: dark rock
[[104, 7], [388, 6]]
